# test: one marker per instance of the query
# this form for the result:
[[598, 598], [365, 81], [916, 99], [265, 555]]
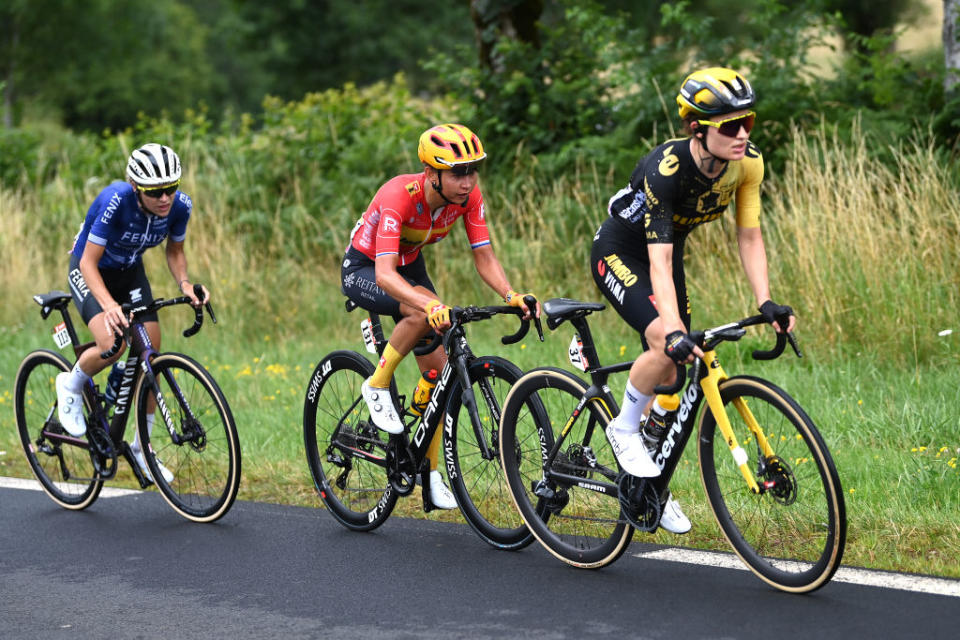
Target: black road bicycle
[[195, 434], [769, 478], [360, 471]]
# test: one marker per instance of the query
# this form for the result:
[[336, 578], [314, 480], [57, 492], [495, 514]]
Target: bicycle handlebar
[[159, 303], [462, 315], [710, 338]]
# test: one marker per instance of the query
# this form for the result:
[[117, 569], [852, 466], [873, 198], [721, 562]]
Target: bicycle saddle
[[559, 310]]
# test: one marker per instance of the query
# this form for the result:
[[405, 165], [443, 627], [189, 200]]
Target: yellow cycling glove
[[438, 314], [515, 299]]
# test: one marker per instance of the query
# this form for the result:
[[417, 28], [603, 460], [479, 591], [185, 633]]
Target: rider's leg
[[69, 384]]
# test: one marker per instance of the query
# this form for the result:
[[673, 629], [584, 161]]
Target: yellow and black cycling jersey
[[668, 195]]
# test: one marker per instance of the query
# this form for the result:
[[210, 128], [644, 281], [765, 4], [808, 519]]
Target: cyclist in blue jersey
[[106, 269]]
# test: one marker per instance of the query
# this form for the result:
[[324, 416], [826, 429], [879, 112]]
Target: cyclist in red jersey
[[383, 270], [637, 254]]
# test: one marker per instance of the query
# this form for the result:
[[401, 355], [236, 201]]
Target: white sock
[[632, 408], [136, 436], [77, 379]]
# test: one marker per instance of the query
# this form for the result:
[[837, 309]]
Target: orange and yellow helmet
[[714, 91], [448, 145]]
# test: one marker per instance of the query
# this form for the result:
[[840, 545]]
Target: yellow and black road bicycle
[[769, 478]]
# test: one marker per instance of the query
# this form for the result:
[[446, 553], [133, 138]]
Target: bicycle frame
[[423, 428], [140, 353], [705, 382]]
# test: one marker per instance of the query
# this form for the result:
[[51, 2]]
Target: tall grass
[[866, 254]]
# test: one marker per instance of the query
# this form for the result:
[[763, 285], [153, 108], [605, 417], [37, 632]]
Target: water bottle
[[658, 421], [113, 382], [421, 395]]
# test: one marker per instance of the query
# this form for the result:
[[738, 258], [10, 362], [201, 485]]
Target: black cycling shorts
[[621, 268], [125, 285], [358, 281]]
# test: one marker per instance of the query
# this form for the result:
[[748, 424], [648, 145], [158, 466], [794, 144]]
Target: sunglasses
[[465, 169], [731, 126], [156, 192]]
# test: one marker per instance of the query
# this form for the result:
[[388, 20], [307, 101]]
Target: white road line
[[33, 485], [869, 578]]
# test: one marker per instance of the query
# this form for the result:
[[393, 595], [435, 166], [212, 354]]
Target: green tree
[[101, 62]]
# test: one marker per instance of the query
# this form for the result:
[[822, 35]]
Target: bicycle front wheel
[[793, 533], [199, 445], [571, 517], [65, 471], [345, 452], [478, 479]]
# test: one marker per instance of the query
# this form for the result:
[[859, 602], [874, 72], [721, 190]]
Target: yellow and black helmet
[[448, 145], [714, 91]]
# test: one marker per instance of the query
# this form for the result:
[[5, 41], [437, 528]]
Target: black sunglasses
[[156, 192], [731, 126], [465, 169]]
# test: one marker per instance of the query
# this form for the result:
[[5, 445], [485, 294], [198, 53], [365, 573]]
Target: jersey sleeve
[[748, 192], [388, 221], [104, 221], [476, 223], [178, 226]]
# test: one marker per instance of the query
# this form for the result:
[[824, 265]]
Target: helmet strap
[[701, 137]]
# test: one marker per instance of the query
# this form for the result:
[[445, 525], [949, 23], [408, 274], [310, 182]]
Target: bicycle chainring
[[401, 471], [639, 502], [103, 453]]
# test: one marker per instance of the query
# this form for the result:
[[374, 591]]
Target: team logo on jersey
[[669, 163], [136, 295], [413, 188], [390, 225]]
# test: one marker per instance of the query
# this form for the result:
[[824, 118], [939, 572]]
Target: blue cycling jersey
[[116, 222]]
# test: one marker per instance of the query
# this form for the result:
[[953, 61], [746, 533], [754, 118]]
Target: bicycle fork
[[711, 390]]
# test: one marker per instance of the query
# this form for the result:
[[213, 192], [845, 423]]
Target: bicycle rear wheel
[[65, 471], [204, 453], [478, 482], [793, 533], [572, 519], [337, 429]]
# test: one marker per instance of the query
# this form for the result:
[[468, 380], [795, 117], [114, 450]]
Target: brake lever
[[531, 303], [198, 291]]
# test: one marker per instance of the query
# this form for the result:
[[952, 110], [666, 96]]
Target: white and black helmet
[[153, 165]]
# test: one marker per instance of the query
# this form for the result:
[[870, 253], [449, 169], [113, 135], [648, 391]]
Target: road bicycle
[[360, 471], [768, 475], [195, 434]]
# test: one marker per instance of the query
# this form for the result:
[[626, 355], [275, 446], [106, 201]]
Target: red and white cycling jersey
[[398, 220]]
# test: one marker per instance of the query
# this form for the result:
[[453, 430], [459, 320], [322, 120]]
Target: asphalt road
[[129, 567]]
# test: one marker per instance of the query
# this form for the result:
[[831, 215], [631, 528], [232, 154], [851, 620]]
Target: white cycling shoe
[[381, 408], [672, 519], [631, 452], [142, 463], [440, 495], [70, 407]]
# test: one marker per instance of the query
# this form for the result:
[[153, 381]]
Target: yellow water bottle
[[658, 422], [421, 395]]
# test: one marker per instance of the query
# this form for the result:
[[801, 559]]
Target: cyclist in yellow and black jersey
[[637, 254]]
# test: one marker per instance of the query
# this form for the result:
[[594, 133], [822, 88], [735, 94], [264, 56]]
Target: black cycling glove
[[779, 313], [679, 346]]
